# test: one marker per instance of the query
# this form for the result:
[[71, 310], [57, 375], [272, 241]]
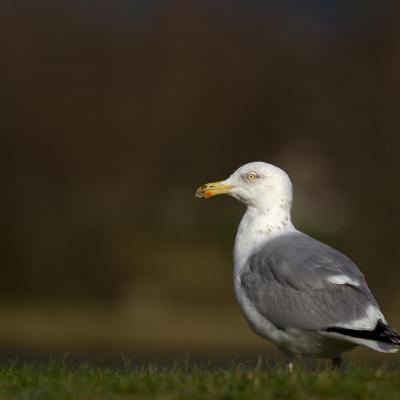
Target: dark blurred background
[[112, 113]]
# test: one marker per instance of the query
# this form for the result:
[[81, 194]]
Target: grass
[[58, 380]]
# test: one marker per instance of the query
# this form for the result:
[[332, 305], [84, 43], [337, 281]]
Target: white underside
[[317, 344]]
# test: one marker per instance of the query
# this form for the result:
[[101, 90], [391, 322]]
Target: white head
[[258, 185]]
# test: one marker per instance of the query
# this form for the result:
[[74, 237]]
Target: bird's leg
[[336, 362], [289, 363], [289, 366]]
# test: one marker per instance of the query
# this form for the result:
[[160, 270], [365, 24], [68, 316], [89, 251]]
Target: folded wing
[[298, 282]]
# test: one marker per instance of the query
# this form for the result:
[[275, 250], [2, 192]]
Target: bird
[[304, 296]]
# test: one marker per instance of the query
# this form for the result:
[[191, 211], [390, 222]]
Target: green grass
[[60, 381]]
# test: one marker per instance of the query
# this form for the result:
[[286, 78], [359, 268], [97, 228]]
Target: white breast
[[254, 230]]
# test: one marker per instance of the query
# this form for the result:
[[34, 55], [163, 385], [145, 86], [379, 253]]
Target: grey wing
[[291, 281]]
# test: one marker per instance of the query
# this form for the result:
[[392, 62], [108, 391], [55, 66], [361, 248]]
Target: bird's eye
[[251, 176]]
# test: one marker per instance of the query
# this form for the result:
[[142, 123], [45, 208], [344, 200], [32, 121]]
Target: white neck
[[258, 226]]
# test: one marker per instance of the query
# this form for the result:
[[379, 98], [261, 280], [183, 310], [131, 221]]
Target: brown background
[[112, 113]]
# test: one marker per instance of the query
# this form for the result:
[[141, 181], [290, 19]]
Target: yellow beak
[[212, 189]]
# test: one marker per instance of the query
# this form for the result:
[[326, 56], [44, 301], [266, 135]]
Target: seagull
[[302, 295]]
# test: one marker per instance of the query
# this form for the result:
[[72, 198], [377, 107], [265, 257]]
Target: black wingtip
[[381, 333], [388, 333]]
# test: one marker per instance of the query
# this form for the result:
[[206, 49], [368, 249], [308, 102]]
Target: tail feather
[[381, 333]]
